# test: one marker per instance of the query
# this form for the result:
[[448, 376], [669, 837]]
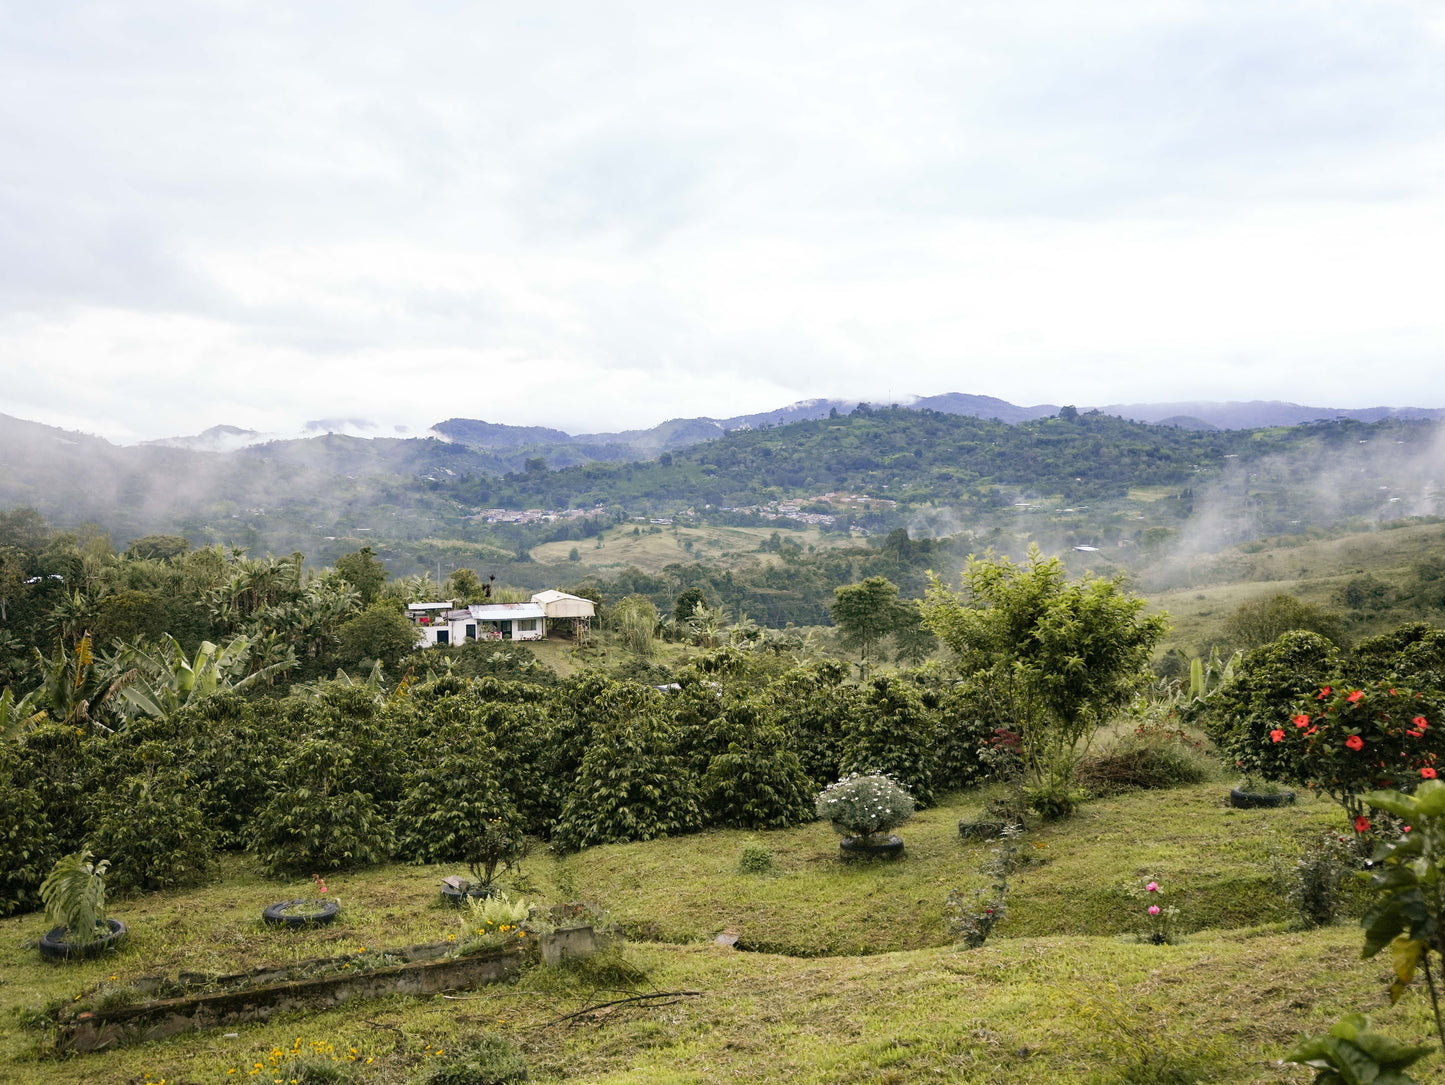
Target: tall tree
[[1058, 657], [363, 572], [866, 612]]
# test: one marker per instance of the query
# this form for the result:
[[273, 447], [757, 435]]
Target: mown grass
[[851, 977]]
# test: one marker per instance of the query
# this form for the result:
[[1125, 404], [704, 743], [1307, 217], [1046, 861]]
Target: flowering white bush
[[863, 805]]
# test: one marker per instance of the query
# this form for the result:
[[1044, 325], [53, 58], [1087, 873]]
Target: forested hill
[[921, 457], [289, 494]]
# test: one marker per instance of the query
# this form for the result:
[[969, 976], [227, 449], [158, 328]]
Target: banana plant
[[167, 679], [76, 689], [18, 716]]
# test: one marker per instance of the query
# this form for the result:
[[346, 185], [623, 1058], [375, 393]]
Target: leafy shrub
[[25, 848], [816, 709], [233, 750], [74, 896], [631, 784], [155, 833], [1353, 1051], [1267, 683], [756, 782], [864, 805], [969, 726], [453, 804], [755, 859], [1346, 741], [1151, 757], [489, 1060], [970, 920], [57, 763], [892, 735], [1319, 878], [313, 821]]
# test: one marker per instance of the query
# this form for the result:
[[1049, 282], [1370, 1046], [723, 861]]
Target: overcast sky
[[601, 215]]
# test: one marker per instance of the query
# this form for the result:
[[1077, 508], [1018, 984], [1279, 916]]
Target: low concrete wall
[[92, 1030]]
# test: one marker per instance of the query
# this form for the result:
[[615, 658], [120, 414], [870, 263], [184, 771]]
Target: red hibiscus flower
[[1353, 697], [1277, 735], [1355, 742], [1427, 773], [1419, 722], [1301, 720], [1362, 824], [1323, 694]]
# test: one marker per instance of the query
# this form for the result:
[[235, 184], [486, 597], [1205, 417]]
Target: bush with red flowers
[[1346, 740]]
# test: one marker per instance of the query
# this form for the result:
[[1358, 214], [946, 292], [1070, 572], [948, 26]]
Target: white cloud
[[599, 216]]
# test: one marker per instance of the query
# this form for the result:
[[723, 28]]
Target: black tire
[[275, 914], [476, 892], [54, 947], [854, 847], [1250, 800]]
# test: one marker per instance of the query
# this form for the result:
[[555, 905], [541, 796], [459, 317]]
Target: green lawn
[[843, 973]]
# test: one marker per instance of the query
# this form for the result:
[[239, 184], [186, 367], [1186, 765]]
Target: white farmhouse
[[446, 623]]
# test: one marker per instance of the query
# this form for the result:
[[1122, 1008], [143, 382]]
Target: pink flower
[[1152, 887], [1153, 909]]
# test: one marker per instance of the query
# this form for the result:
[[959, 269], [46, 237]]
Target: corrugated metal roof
[[505, 612]]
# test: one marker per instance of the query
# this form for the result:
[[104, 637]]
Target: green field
[[842, 973], [653, 552]]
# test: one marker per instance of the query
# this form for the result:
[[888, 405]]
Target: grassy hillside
[[653, 551], [843, 974], [1315, 569]]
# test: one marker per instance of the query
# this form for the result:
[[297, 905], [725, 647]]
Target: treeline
[[797, 590], [342, 774]]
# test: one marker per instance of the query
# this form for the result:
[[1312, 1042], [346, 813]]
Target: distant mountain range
[[684, 432]]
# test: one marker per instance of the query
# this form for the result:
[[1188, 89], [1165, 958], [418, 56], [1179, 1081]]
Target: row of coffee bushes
[[342, 775]]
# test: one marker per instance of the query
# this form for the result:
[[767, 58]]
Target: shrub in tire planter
[[74, 896], [56, 945], [864, 810]]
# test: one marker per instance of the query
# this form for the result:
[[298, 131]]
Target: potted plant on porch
[[864, 810]]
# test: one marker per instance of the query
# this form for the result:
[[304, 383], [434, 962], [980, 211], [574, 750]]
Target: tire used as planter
[[476, 892], [865, 847], [322, 912], [54, 947], [1249, 800]]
